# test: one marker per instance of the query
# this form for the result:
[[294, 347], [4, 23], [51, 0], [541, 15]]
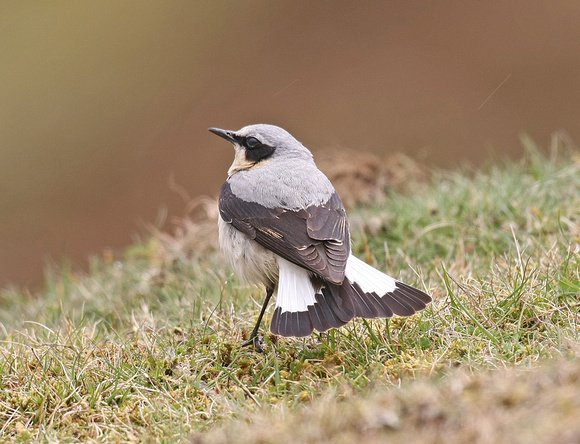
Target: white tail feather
[[295, 291], [370, 279]]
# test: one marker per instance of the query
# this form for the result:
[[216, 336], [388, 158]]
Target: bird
[[282, 224]]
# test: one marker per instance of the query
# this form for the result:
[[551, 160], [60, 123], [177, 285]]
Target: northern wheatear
[[282, 224]]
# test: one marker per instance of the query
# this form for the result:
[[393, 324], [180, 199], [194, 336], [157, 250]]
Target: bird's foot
[[256, 341]]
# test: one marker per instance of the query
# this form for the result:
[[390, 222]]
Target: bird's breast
[[252, 263]]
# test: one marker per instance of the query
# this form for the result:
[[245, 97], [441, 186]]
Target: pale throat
[[241, 163]]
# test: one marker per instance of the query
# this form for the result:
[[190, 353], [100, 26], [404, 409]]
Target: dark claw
[[256, 341]]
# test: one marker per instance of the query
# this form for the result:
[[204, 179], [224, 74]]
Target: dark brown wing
[[315, 238]]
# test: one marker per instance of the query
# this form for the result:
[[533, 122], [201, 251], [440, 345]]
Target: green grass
[[145, 347]]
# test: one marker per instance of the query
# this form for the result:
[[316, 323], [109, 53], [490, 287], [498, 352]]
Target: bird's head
[[261, 144]]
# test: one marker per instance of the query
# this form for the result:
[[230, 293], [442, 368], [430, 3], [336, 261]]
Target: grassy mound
[[145, 346]]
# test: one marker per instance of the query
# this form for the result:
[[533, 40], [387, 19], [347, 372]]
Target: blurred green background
[[102, 102]]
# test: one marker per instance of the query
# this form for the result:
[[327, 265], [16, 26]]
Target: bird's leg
[[254, 338]]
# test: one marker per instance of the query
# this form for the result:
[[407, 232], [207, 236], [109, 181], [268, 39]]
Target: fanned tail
[[305, 303]]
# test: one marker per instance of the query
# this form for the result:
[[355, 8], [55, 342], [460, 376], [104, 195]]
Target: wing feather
[[315, 238]]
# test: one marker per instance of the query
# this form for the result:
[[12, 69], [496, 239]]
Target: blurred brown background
[[102, 102]]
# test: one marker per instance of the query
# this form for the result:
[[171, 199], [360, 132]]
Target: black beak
[[228, 135]]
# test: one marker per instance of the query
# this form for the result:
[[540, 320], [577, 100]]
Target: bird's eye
[[252, 142]]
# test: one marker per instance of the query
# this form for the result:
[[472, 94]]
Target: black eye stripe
[[259, 152], [255, 150]]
